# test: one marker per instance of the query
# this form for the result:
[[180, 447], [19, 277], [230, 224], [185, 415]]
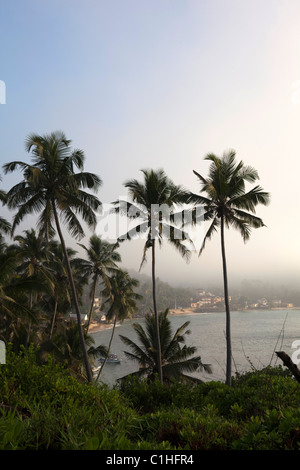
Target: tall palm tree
[[5, 226], [177, 357], [60, 300], [52, 188], [102, 259], [121, 298], [229, 204], [153, 204]]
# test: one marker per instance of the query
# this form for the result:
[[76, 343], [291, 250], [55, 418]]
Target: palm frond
[[251, 199], [176, 358], [211, 230]]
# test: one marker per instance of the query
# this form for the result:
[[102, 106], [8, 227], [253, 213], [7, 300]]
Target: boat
[[95, 370], [112, 359]]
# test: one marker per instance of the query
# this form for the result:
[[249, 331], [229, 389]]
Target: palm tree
[[102, 258], [177, 357], [61, 300], [5, 226], [228, 204], [65, 347], [15, 313], [32, 252], [153, 204], [122, 298], [52, 188]]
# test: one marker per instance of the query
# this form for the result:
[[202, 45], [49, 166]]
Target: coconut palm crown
[[51, 186], [177, 358], [102, 259]]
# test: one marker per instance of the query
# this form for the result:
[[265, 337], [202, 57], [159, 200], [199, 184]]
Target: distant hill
[[167, 296]]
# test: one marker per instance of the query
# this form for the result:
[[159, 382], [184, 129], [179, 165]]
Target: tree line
[[55, 187]]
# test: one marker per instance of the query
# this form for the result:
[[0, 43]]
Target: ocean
[[255, 336]]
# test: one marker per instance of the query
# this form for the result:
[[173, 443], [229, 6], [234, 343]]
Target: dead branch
[[287, 361]]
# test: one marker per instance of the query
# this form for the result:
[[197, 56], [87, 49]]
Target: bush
[[43, 407], [148, 396], [53, 410]]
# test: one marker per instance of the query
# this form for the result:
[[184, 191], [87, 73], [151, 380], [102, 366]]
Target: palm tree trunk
[[159, 364], [109, 346], [29, 326], [92, 303], [74, 294], [228, 332], [54, 317]]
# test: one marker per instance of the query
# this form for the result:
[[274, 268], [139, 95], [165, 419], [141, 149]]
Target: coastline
[[95, 327]]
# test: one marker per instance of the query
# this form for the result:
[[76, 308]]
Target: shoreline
[[96, 327]]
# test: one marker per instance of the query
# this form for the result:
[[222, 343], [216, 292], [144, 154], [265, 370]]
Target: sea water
[[255, 336]]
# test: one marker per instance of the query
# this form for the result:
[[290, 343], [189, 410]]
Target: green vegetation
[[42, 407], [229, 204], [52, 189], [122, 299], [102, 258], [48, 396], [177, 357], [154, 201]]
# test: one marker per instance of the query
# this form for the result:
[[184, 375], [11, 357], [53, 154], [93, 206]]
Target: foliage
[[43, 407], [55, 410], [177, 357], [228, 204], [168, 297], [121, 298], [102, 258], [153, 204], [51, 188]]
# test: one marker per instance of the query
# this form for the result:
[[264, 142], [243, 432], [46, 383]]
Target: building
[[208, 301], [73, 317]]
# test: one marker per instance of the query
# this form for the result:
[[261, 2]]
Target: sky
[[160, 84]]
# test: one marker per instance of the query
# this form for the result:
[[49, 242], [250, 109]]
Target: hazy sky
[[148, 83]]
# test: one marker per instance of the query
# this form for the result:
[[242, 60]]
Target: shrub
[[43, 407], [54, 410]]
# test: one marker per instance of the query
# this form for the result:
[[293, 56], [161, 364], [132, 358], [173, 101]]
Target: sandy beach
[[95, 327]]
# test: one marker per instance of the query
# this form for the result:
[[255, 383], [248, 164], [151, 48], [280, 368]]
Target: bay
[[255, 336]]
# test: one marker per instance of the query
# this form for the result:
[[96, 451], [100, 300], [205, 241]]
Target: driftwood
[[287, 361]]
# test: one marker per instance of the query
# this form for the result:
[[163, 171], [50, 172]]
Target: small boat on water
[[112, 359], [95, 370]]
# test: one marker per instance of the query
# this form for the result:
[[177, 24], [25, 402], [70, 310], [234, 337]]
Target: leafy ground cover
[[43, 407]]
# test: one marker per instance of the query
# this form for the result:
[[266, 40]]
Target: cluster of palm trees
[[57, 189], [47, 271]]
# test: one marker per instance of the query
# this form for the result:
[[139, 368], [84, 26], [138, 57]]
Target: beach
[[100, 326], [96, 326]]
